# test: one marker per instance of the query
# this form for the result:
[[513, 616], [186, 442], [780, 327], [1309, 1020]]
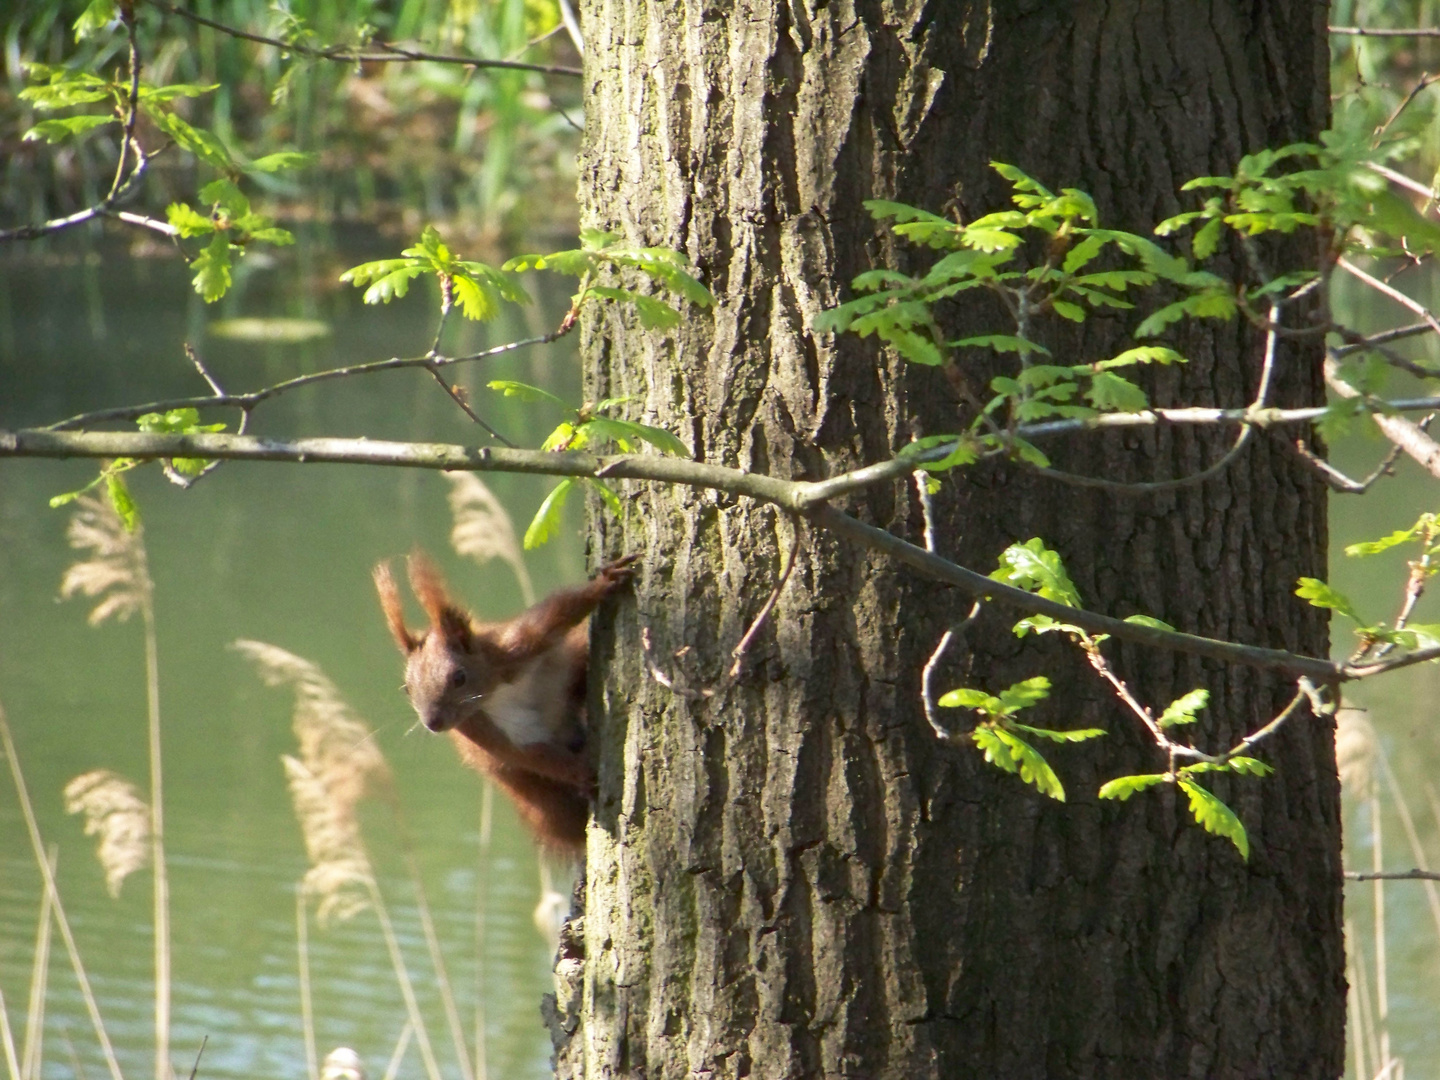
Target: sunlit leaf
[[1215, 817], [1322, 595], [547, 520], [1183, 709], [1122, 787]]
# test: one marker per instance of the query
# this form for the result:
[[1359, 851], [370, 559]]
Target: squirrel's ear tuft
[[393, 608], [444, 614]]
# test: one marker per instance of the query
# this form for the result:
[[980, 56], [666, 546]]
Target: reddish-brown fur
[[511, 695]]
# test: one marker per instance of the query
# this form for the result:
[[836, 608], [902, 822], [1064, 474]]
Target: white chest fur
[[534, 707]]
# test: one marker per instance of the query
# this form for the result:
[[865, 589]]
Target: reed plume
[[483, 530], [116, 812], [1355, 750], [337, 766], [116, 569]]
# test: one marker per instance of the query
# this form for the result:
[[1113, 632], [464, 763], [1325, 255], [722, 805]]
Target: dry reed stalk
[[482, 884], [7, 1041], [1352, 1009], [118, 570], [402, 976], [115, 811], [483, 529], [1412, 837], [307, 1011], [1355, 750], [1382, 989], [27, 810], [402, 1044], [437, 961], [1367, 1015], [31, 1054]]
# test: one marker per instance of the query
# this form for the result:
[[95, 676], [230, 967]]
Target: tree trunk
[[789, 875]]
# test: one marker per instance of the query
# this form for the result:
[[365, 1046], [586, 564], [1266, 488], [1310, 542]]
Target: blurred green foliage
[[489, 152], [1370, 77]]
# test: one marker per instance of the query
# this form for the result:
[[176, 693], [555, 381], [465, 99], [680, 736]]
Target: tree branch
[[350, 54], [1392, 875], [789, 495], [1366, 31]]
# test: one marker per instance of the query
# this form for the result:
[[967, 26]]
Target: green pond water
[[282, 554]]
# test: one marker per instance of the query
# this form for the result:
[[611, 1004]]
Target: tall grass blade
[[1357, 1033], [27, 809], [1368, 1030]]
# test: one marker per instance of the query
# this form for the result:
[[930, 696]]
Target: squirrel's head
[[448, 669]]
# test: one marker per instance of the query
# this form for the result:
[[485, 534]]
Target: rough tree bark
[[789, 875]]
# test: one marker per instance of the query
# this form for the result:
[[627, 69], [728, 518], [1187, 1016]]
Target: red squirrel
[[511, 695]]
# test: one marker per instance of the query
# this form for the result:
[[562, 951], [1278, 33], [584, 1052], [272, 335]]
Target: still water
[[282, 555]]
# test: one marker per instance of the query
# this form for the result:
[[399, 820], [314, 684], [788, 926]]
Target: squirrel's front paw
[[617, 573]]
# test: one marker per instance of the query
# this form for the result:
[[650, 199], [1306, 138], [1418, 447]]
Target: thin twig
[[572, 26], [251, 400], [788, 495], [458, 397], [1336, 479], [739, 651], [375, 52], [1257, 407], [1389, 290], [1420, 85], [1357, 343], [132, 104], [195, 1069], [104, 208]]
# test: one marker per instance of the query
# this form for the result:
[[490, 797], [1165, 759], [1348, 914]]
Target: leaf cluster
[[1425, 536], [600, 251], [1003, 739], [584, 428], [477, 287], [112, 472], [1332, 186], [1037, 569]]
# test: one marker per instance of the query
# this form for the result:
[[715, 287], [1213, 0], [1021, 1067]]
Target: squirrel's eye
[[458, 679]]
